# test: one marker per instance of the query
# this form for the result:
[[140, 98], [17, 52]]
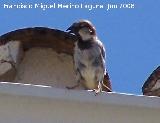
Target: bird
[[89, 56], [151, 86]]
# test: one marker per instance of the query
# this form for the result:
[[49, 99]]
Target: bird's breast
[[88, 55], [89, 76], [87, 62], [88, 72]]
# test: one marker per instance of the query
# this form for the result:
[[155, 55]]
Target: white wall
[[27, 104]]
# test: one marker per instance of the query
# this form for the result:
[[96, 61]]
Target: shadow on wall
[[40, 56]]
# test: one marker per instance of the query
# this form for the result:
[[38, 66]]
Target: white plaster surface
[[45, 67], [4, 68]]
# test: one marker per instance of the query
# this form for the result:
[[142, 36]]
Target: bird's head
[[84, 29]]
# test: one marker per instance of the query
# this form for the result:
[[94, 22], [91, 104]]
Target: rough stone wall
[[10, 56]]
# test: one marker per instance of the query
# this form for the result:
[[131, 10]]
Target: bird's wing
[[103, 51], [100, 56], [102, 48]]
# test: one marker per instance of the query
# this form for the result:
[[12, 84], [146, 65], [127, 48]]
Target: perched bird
[[89, 56], [151, 86]]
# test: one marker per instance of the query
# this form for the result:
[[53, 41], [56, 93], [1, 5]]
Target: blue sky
[[131, 36]]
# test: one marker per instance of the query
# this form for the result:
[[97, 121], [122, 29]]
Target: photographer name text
[[89, 7]]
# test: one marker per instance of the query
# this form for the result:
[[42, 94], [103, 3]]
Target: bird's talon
[[97, 91]]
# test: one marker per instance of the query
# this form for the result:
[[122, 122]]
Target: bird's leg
[[99, 90], [10, 62]]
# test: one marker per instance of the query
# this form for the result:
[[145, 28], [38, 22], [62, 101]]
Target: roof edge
[[110, 98]]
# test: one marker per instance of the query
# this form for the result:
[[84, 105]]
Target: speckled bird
[[89, 56]]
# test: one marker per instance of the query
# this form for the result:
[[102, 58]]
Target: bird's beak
[[72, 28]]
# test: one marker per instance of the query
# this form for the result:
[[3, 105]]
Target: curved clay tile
[[41, 37], [151, 86]]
